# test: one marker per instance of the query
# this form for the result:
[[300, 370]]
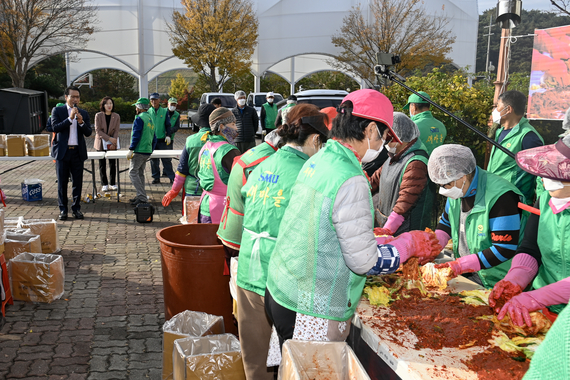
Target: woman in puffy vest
[[267, 194], [326, 243], [543, 257]]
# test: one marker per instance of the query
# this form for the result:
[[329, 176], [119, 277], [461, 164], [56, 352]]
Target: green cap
[[141, 101], [60, 104], [416, 99], [172, 100]]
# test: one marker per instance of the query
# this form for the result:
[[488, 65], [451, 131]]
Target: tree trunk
[[213, 83], [18, 79]]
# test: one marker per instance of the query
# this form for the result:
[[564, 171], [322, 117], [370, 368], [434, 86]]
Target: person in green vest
[[325, 244], [432, 131], [143, 142], [215, 163], [267, 194], [159, 116], [481, 215], [405, 193], [268, 113], [543, 257], [186, 175], [282, 113], [516, 134]]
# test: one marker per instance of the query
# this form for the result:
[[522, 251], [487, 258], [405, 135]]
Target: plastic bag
[[47, 229], [320, 360], [184, 325], [211, 357], [37, 277], [191, 208], [15, 244]]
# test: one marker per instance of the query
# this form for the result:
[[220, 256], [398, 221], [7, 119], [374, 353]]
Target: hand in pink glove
[[465, 264], [394, 222], [523, 269], [442, 237], [420, 244], [176, 187], [520, 306], [384, 240]]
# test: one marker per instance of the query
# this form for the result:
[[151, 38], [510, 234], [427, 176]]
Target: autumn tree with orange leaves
[[216, 38], [403, 27]]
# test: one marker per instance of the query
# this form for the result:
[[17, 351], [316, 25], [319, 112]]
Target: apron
[[220, 189]]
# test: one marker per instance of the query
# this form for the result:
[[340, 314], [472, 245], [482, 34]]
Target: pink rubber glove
[[520, 306], [420, 244], [523, 269], [384, 240], [443, 237], [176, 187], [394, 222], [465, 264]]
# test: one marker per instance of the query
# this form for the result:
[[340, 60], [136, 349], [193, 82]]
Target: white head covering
[[449, 162]]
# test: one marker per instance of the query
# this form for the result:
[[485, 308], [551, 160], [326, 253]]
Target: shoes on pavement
[[155, 181], [112, 187], [105, 188], [133, 199], [164, 175], [62, 215], [136, 202], [78, 215]]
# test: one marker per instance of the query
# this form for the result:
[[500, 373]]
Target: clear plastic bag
[[17, 243], [191, 208], [37, 277], [184, 325], [211, 357], [47, 229], [320, 360]]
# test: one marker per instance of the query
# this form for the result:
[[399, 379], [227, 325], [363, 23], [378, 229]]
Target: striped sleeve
[[504, 227], [444, 224]]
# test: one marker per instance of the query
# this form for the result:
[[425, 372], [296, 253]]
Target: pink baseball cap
[[549, 161], [373, 105]]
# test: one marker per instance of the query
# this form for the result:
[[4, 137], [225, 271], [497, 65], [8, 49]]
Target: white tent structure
[[294, 37]]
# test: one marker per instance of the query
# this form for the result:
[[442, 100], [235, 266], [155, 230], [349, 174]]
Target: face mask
[[290, 101], [172, 108], [241, 102], [230, 134], [557, 205], [496, 116], [391, 150], [552, 185], [453, 193], [269, 100], [371, 154]]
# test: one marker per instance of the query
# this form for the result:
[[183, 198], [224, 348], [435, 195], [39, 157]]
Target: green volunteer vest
[[506, 167], [432, 131], [307, 272], [231, 224], [173, 119], [270, 115], [489, 188], [159, 118], [193, 145], [266, 193], [206, 173], [553, 229], [145, 143]]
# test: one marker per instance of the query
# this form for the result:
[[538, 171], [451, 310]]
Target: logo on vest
[[434, 129], [480, 230], [508, 145], [496, 237], [268, 177]]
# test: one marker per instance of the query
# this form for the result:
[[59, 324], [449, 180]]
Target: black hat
[[201, 117]]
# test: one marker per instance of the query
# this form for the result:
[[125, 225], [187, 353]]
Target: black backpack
[[144, 212]]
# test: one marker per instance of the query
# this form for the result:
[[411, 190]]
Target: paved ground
[[108, 323]]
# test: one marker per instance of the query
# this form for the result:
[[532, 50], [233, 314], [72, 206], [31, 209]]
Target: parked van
[[227, 99]]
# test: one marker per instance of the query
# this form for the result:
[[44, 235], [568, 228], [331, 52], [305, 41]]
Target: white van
[[227, 99]]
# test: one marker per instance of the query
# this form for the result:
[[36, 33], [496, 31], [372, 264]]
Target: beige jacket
[[101, 131]]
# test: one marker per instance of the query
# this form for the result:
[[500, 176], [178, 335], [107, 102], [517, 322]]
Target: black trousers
[[282, 318], [70, 164], [103, 171]]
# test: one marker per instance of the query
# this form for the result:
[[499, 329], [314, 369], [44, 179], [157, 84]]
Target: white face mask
[[496, 116], [454, 192], [172, 108], [241, 102], [552, 185], [269, 100], [391, 150], [371, 154]]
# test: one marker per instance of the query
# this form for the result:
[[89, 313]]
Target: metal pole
[[488, 42]]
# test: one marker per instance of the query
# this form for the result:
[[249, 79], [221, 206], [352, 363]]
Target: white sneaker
[[105, 188], [112, 187]]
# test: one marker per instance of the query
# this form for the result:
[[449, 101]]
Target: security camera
[[508, 13]]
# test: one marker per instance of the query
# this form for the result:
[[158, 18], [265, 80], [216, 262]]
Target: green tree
[[216, 38], [332, 80], [178, 87], [403, 27], [48, 75], [113, 83]]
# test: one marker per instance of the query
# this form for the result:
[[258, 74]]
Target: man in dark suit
[[71, 126]]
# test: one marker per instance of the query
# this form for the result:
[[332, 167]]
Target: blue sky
[[543, 5]]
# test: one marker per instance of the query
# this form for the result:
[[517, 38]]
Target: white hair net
[[239, 94], [450, 162], [566, 124], [273, 138], [404, 127]]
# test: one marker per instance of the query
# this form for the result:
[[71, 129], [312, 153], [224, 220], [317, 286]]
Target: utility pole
[[489, 34]]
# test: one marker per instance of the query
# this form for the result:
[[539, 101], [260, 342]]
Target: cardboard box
[[15, 244], [2, 145], [16, 145], [47, 229], [37, 277], [184, 325], [38, 145], [32, 192]]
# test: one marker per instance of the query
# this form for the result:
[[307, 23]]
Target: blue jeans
[[166, 162]]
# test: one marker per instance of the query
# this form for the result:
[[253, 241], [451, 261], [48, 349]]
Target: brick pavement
[[108, 323]]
